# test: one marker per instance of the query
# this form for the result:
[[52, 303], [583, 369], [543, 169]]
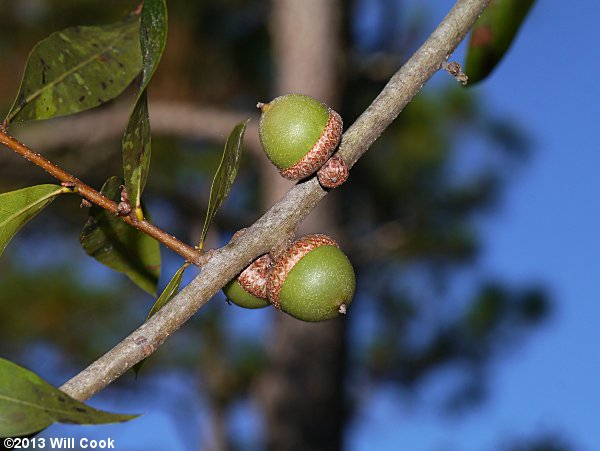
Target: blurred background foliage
[[409, 217]]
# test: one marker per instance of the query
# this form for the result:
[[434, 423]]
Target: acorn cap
[[240, 297], [333, 173], [298, 134], [249, 289], [253, 279], [313, 280]]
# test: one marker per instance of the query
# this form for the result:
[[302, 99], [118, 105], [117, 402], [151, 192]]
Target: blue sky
[[546, 231]]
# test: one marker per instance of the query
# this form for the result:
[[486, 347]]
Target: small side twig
[[190, 253], [454, 69]]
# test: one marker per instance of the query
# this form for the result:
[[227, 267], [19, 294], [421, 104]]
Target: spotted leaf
[[77, 69]]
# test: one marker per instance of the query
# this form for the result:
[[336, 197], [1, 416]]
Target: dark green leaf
[[153, 37], [29, 404], [492, 36], [225, 175], [119, 246], [137, 141], [168, 293], [170, 290], [77, 69], [136, 152], [18, 207]]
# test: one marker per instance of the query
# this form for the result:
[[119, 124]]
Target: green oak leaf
[[153, 37], [29, 404], [120, 246], [18, 207], [493, 35], [225, 175], [169, 292], [165, 297], [77, 69], [137, 141], [136, 147]]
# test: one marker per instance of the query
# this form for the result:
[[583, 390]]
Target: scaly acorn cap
[[312, 280], [253, 279], [299, 134], [249, 288], [333, 173]]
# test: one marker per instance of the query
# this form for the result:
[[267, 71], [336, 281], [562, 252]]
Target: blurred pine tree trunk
[[302, 390]]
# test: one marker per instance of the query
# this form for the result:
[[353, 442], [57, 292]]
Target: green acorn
[[249, 289], [312, 280], [299, 134]]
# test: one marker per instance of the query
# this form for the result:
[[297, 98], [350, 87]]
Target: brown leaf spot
[[481, 37]]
